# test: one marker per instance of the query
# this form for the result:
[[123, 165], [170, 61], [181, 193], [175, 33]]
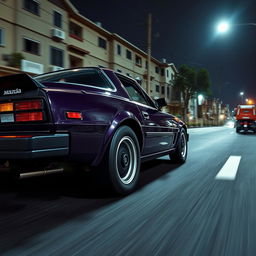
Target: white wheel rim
[[126, 160]]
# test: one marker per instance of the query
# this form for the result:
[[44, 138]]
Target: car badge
[[11, 92]]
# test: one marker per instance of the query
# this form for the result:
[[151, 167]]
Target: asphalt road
[[177, 210]]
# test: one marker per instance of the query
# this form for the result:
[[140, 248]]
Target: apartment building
[[38, 36]]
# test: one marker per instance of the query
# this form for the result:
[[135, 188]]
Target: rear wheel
[[179, 156], [122, 163], [237, 129]]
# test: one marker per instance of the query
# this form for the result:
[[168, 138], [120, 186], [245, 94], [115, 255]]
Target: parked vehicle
[[91, 116], [245, 118]]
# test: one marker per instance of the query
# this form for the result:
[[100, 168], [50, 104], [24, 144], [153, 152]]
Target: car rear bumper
[[251, 125], [34, 147]]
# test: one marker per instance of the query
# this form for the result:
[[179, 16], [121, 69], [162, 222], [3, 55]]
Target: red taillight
[[74, 115], [29, 116], [26, 105]]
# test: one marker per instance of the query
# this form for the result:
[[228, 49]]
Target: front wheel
[[179, 156], [123, 161]]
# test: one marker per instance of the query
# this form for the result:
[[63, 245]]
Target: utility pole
[[148, 87]]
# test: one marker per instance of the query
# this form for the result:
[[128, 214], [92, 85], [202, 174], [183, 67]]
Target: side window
[[133, 92]]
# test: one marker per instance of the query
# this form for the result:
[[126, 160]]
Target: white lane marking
[[229, 169], [231, 132]]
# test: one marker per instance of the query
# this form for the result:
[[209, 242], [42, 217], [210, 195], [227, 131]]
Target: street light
[[223, 27], [242, 95], [200, 98]]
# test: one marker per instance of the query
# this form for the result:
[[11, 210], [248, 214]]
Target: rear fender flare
[[120, 119]]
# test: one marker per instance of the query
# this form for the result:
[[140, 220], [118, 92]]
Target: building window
[[1, 37], [162, 90], [138, 60], [167, 72], [128, 54], [119, 49], [31, 6], [102, 43], [57, 19], [157, 88], [57, 57], [157, 69], [168, 91], [146, 64], [31, 46], [75, 31], [162, 72]]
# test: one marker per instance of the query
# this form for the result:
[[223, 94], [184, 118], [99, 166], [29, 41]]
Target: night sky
[[184, 32]]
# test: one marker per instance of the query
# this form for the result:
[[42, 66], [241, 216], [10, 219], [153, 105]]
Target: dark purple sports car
[[90, 116]]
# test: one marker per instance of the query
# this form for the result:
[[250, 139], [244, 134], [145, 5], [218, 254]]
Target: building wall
[[19, 23]]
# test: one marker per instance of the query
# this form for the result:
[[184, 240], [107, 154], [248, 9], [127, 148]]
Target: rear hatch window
[[87, 77]]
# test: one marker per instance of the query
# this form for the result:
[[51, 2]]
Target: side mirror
[[160, 103]]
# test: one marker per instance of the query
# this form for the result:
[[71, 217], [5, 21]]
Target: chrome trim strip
[[107, 95], [169, 127], [91, 86], [48, 149], [159, 133], [158, 153], [143, 105]]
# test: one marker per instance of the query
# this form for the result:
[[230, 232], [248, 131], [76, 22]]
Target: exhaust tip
[[25, 175]]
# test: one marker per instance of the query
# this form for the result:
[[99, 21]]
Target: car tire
[[179, 156], [123, 161], [237, 130]]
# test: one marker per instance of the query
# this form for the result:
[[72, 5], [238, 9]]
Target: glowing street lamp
[[200, 98], [242, 96], [223, 27]]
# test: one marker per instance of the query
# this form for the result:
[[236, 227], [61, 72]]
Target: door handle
[[145, 115]]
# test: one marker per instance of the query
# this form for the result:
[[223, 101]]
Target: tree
[[203, 82], [190, 82]]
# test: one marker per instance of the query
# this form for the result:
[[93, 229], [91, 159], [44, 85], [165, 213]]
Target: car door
[[159, 128]]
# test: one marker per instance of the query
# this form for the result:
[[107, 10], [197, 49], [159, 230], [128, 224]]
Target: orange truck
[[245, 118]]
